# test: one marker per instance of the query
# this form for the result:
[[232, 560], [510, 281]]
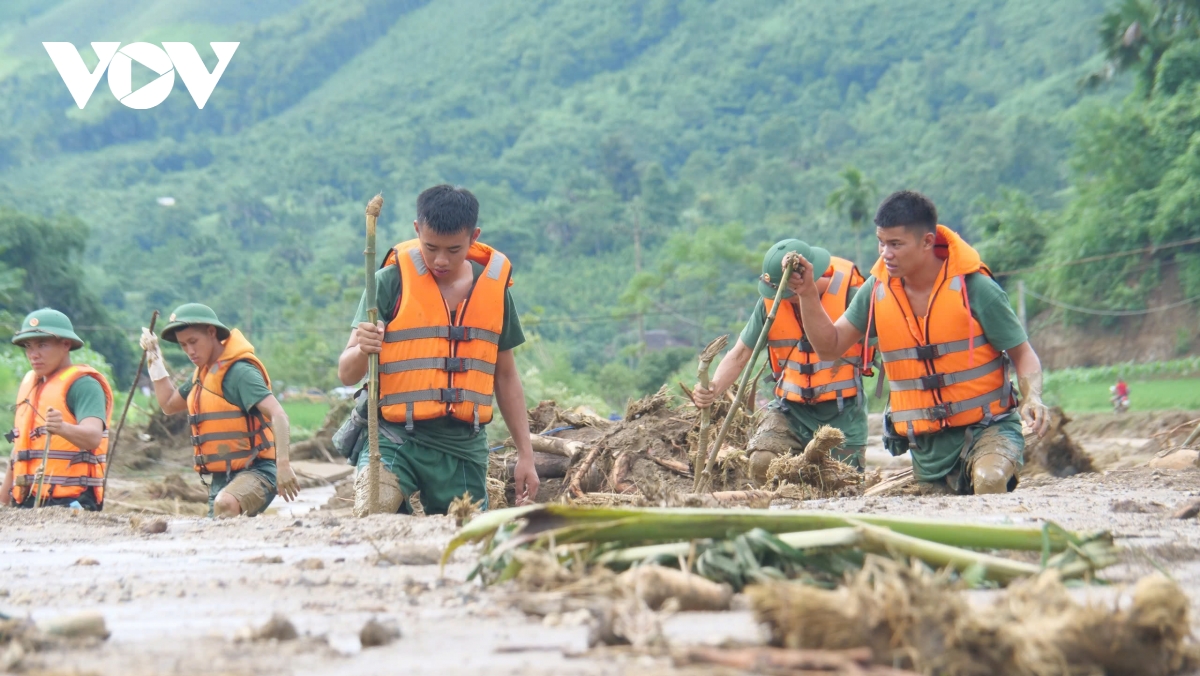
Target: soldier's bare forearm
[[731, 365]]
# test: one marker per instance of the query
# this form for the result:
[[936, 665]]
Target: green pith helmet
[[773, 264], [47, 323], [192, 314]]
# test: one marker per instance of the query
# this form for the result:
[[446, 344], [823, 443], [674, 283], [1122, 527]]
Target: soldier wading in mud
[[240, 432], [445, 337], [67, 404], [947, 336], [809, 392]]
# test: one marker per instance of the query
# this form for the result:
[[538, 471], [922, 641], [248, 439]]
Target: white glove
[[154, 358]]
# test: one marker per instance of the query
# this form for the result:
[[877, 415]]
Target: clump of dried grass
[[910, 616], [462, 508], [815, 466]]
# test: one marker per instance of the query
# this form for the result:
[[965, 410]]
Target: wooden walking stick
[[112, 447], [706, 359], [374, 463], [704, 483]]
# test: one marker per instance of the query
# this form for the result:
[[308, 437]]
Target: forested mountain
[[632, 157]]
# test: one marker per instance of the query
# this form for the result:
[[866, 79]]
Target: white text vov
[[172, 57]]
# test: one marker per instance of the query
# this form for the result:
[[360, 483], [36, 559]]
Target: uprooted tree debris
[[840, 593], [910, 616], [648, 457]]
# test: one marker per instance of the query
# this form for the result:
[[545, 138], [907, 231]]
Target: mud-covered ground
[[181, 602]]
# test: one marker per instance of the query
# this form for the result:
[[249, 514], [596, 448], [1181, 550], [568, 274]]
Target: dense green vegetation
[[632, 157]]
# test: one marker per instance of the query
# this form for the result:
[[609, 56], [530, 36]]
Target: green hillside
[[708, 129]]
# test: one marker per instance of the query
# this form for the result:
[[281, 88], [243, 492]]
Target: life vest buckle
[[933, 381], [806, 369], [452, 395], [941, 411], [803, 345], [37, 432], [928, 352], [456, 364], [459, 333]]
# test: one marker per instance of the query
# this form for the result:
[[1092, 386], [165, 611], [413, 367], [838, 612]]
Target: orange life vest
[[432, 367], [942, 371], [800, 374], [224, 437], [70, 470]]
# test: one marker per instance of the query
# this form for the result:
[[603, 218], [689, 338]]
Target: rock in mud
[[278, 628], [265, 559], [154, 527], [375, 633], [87, 561], [310, 564]]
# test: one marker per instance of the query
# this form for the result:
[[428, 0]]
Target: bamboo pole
[[704, 482], [706, 358], [374, 464], [41, 473], [112, 447]]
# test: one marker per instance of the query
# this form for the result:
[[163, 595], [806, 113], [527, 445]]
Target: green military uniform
[[243, 387], [804, 420], [940, 456], [442, 458]]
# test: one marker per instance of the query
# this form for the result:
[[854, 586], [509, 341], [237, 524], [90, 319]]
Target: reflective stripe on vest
[[432, 366], [69, 470], [801, 376]]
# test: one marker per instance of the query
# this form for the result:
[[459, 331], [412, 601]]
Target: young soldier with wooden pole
[[445, 337], [810, 392]]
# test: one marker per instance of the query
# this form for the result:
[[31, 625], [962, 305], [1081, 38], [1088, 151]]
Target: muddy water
[[177, 602]]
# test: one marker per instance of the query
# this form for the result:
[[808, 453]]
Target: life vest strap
[[939, 380], [457, 333], [202, 439], [781, 343], [811, 369], [218, 415], [31, 479], [926, 352], [945, 411], [74, 457], [450, 364], [814, 392], [446, 395], [209, 458]]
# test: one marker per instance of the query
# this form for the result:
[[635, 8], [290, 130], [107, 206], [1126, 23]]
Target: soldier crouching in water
[[948, 337], [809, 392], [65, 404], [240, 432]]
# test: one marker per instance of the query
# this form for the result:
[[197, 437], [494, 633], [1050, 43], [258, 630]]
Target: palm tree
[[854, 199]]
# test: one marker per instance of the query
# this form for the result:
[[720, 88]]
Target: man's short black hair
[[907, 208], [448, 209]]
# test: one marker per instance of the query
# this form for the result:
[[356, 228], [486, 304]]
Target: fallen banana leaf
[[575, 523]]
